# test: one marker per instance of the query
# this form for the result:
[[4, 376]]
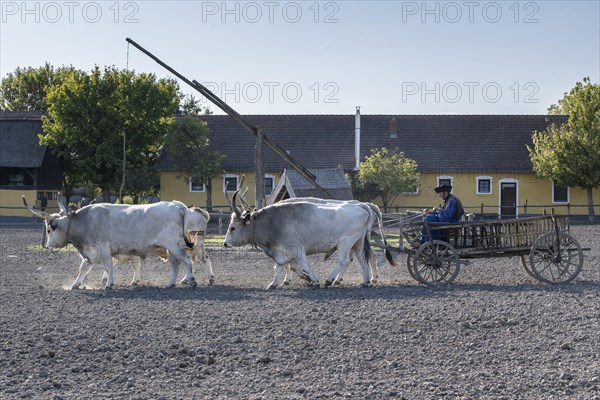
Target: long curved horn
[[234, 206], [63, 207], [40, 214], [243, 200]]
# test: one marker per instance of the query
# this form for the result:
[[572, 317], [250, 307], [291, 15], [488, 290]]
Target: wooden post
[[259, 170], [220, 225]]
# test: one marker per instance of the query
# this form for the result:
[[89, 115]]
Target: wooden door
[[508, 200]]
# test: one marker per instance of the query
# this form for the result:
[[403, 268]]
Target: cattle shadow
[[233, 294], [184, 293]]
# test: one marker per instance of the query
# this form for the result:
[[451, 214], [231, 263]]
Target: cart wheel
[[436, 263], [410, 264], [556, 259], [527, 266]]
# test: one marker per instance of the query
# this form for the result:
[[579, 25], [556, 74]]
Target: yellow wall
[[11, 203], [174, 187], [535, 191]]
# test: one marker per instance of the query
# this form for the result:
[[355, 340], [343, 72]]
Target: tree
[[187, 147], [568, 153], [191, 106], [96, 118], [25, 88], [389, 174]]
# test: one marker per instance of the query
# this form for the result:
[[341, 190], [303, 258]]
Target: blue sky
[[310, 57]]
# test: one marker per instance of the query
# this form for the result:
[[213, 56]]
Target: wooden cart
[[548, 251]]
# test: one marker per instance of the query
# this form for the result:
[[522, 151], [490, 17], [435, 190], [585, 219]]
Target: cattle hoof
[[271, 287], [75, 287], [338, 282], [286, 283], [327, 283], [211, 281], [364, 285], [316, 285], [169, 286], [108, 287]]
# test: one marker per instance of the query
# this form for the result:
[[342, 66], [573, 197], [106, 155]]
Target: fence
[[220, 217]]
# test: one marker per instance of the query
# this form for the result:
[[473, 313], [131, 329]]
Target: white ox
[[288, 232], [197, 222], [376, 218], [101, 231]]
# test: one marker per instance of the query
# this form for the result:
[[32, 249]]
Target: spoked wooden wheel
[[527, 266], [410, 264], [436, 263], [556, 258]]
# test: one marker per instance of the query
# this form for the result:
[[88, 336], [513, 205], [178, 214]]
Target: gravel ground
[[495, 333]]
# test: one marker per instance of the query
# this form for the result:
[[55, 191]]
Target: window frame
[[191, 187], [484, 178], [272, 177], [237, 182], [554, 201]]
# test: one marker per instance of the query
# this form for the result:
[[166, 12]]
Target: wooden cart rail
[[494, 237]]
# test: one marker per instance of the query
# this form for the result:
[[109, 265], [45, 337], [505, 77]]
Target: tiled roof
[[19, 140], [439, 143]]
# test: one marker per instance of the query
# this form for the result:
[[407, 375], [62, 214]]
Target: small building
[[292, 184], [26, 168]]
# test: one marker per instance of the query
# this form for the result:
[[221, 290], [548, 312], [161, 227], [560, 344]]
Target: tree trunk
[[209, 196], [68, 192], [590, 197]]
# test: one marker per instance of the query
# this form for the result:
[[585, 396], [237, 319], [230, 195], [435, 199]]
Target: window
[[560, 194], [16, 180], [416, 191], [269, 184], [230, 183], [197, 185], [484, 185]]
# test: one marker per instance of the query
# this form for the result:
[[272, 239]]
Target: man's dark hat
[[443, 188]]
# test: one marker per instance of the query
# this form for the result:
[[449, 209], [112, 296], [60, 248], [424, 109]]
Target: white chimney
[[357, 139]]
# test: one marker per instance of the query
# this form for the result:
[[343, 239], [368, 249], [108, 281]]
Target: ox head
[[56, 225], [239, 231], [197, 219]]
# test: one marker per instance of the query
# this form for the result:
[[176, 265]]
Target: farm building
[[26, 168], [483, 156]]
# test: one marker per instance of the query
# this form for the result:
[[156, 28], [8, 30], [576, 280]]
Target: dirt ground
[[495, 333]]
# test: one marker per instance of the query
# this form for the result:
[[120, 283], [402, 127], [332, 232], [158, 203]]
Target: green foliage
[[25, 88], [126, 200], [191, 106], [91, 113], [388, 174], [363, 191], [187, 147], [568, 153]]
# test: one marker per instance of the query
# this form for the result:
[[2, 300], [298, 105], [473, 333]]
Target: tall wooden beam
[[306, 174], [259, 170]]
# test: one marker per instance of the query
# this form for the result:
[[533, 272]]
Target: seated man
[[450, 212]]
